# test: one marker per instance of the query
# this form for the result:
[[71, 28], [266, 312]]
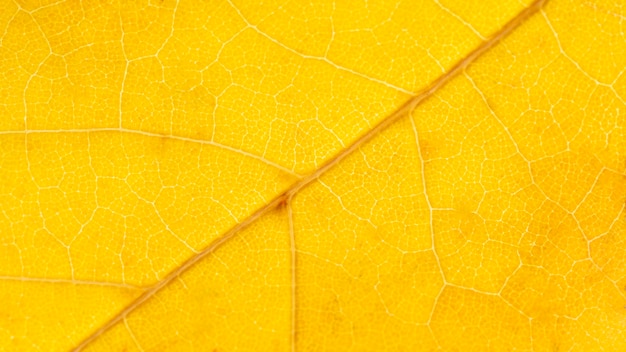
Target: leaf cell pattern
[[390, 175]]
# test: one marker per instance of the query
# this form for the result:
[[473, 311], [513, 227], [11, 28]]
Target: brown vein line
[[285, 196], [71, 282], [294, 261], [158, 135]]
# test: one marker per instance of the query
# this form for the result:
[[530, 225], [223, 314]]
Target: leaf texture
[[224, 175]]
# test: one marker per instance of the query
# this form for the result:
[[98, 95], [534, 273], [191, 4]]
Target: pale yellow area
[[178, 149], [238, 298]]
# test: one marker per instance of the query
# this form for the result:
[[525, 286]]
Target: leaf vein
[[402, 111]]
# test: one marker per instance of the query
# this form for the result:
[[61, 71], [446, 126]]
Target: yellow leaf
[[332, 175]]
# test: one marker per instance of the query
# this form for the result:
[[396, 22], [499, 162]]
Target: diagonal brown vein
[[405, 109]]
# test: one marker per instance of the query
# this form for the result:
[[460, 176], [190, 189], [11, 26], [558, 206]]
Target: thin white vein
[[50, 51], [423, 176], [125, 71], [430, 214], [590, 192], [42, 7], [570, 59], [506, 281], [69, 281], [497, 119], [292, 240], [572, 212], [513, 141], [620, 214], [319, 58], [26, 86], [13, 242], [216, 60], [530, 171], [151, 291], [157, 135], [163, 222], [332, 29], [171, 34], [167, 227], [70, 261], [330, 190], [615, 220], [9, 23], [541, 190], [460, 19], [132, 335]]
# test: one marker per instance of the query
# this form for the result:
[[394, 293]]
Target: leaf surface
[[182, 175]]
